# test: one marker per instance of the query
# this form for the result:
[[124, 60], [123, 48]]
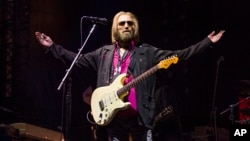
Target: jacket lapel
[[134, 59], [109, 53]]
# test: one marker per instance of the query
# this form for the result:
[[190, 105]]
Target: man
[[124, 56]]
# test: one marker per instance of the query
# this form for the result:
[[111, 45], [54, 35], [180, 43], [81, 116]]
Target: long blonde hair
[[114, 33]]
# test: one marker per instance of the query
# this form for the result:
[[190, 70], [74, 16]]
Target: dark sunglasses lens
[[130, 23], [121, 23]]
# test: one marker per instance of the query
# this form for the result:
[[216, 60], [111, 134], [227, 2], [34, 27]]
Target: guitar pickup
[[101, 105]]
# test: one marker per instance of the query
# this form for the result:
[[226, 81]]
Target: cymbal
[[247, 121]]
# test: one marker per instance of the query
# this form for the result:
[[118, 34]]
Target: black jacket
[[143, 58]]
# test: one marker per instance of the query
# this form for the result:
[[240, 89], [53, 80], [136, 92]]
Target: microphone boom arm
[[68, 71]]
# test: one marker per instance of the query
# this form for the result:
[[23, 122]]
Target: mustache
[[126, 31]]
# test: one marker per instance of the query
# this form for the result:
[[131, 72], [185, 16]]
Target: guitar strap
[[130, 69], [118, 65]]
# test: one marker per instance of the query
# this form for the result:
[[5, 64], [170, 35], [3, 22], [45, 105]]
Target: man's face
[[125, 28]]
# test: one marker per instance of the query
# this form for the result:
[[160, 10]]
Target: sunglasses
[[122, 23]]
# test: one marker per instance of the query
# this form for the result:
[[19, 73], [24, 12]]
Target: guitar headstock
[[168, 61]]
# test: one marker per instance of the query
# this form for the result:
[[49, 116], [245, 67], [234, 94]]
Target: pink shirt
[[124, 67]]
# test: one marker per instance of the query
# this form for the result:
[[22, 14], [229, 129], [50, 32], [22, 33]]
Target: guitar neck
[[163, 64], [137, 80]]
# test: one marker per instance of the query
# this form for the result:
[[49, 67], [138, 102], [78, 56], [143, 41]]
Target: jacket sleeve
[[184, 54], [85, 61], [195, 49]]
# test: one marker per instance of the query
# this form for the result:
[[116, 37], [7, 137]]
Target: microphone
[[96, 20]]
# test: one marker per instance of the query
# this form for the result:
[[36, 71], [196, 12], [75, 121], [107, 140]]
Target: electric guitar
[[106, 101]]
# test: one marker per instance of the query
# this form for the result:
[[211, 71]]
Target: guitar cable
[[89, 120], [93, 127]]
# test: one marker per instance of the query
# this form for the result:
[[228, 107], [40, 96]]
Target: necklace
[[121, 58]]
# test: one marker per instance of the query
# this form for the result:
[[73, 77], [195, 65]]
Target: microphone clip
[[96, 20]]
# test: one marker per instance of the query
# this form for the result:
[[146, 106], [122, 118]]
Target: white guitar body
[[108, 100], [105, 102]]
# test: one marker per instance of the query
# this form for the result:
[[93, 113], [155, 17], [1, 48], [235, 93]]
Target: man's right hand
[[43, 39]]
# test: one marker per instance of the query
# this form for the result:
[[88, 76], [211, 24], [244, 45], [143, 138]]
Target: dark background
[[29, 77]]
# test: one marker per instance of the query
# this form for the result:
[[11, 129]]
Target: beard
[[126, 37]]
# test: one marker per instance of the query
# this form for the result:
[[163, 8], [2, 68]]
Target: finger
[[212, 33], [222, 31], [37, 33], [43, 36]]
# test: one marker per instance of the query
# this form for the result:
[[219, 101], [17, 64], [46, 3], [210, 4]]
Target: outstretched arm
[[215, 37]]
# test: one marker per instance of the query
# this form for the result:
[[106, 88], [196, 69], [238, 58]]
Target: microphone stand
[[66, 77], [213, 113], [68, 102], [231, 108]]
